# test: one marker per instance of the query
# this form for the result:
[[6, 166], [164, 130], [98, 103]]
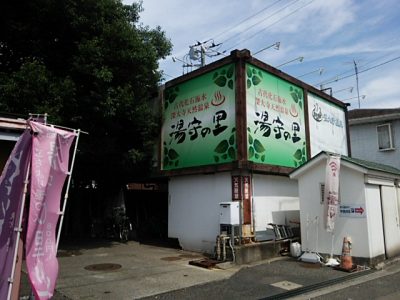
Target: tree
[[91, 65]]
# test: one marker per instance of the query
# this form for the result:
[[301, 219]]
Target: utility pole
[[358, 91], [203, 56]]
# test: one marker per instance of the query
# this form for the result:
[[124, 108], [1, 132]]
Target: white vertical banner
[[331, 192]]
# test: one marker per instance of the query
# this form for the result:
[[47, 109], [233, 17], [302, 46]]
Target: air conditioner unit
[[229, 213]]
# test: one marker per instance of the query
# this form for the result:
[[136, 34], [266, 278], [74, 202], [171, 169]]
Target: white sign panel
[[327, 124], [352, 211]]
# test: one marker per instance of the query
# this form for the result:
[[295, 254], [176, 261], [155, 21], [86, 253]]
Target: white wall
[[275, 200], [375, 224], [352, 191], [390, 220], [193, 209], [364, 143]]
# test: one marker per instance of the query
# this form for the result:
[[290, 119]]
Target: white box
[[229, 213]]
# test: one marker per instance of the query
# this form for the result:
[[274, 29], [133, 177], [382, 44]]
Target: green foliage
[[222, 147], [89, 65], [224, 77], [253, 77], [300, 156], [171, 157], [226, 148], [256, 148], [170, 95], [297, 95]]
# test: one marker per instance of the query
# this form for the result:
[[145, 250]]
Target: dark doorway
[[148, 212]]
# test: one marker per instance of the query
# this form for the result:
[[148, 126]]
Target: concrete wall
[[364, 144], [275, 200], [193, 206], [193, 209], [352, 191]]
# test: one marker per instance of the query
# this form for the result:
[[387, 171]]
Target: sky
[[336, 36]]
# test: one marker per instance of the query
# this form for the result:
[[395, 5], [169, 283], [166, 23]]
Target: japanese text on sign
[[276, 128], [194, 128], [352, 211]]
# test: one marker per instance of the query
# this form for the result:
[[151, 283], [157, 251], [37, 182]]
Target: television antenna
[[355, 64]]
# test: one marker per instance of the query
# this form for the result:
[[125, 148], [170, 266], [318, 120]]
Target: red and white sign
[[236, 188], [246, 188], [331, 192], [50, 159]]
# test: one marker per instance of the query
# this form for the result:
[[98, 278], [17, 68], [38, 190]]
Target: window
[[385, 139]]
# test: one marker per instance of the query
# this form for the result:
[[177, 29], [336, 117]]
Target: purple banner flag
[[11, 195], [50, 161]]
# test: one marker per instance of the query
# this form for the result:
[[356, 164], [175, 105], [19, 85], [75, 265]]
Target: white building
[[232, 132], [369, 197], [375, 135]]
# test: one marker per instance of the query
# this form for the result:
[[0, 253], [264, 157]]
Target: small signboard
[[246, 188], [236, 188], [352, 211]]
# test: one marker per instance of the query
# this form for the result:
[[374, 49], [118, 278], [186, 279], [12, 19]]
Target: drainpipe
[[253, 223]]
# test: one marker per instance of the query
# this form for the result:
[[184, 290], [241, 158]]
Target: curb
[[317, 286]]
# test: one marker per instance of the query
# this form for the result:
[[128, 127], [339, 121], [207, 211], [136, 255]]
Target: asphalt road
[[255, 283], [385, 287], [149, 272], [258, 282]]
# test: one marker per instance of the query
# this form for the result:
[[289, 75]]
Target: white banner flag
[[331, 192]]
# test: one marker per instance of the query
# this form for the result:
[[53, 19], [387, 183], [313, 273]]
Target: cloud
[[326, 33], [319, 19], [383, 91]]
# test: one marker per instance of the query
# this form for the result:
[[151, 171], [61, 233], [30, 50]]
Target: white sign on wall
[[327, 125], [352, 211]]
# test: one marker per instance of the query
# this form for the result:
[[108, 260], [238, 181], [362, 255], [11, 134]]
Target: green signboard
[[275, 120], [199, 121]]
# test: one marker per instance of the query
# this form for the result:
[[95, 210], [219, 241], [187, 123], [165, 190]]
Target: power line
[[262, 20], [335, 78], [244, 20], [282, 18], [365, 70]]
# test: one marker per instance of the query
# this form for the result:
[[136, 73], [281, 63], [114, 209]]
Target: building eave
[[12, 124], [374, 119]]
